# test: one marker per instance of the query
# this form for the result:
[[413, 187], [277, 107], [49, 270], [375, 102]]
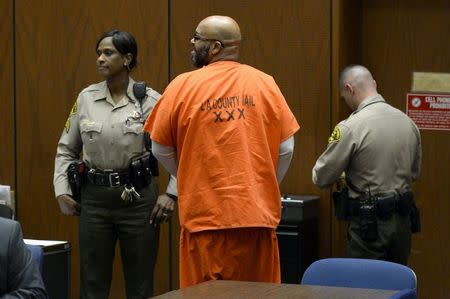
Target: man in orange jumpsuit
[[226, 132]]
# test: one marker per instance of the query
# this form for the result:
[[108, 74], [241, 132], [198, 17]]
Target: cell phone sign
[[429, 111]]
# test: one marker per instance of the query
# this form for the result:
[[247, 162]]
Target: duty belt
[[108, 178], [398, 203]]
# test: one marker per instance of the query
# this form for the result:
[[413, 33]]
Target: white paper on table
[[48, 244]]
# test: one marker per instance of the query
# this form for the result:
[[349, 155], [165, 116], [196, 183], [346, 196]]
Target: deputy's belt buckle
[[114, 179]]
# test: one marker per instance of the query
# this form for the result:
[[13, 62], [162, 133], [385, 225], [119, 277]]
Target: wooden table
[[219, 289]]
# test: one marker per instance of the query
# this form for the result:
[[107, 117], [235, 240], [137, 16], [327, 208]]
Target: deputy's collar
[[368, 101], [103, 91]]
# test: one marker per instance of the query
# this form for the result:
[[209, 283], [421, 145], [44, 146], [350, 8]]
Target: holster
[[153, 162], [140, 170], [404, 205], [76, 175], [414, 217], [341, 201], [414, 213]]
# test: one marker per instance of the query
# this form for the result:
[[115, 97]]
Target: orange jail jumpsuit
[[226, 122]]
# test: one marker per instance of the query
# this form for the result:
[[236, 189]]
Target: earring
[[127, 66]]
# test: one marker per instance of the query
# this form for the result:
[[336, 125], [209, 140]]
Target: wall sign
[[429, 111]]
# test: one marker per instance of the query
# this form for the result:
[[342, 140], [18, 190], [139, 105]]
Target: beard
[[200, 56]]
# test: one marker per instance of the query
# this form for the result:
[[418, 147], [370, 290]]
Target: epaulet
[[94, 87]]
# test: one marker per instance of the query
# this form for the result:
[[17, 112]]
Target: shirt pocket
[[133, 127], [133, 136], [90, 134]]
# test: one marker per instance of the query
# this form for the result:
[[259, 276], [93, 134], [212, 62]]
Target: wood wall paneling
[[7, 148], [398, 38], [345, 51], [55, 60]]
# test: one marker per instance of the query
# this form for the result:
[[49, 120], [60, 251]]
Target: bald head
[[356, 84], [358, 76], [222, 28], [216, 38]]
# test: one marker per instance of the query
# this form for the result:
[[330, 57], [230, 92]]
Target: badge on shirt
[[335, 136], [72, 112], [136, 114]]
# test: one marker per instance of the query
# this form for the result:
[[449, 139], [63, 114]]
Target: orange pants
[[246, 254]]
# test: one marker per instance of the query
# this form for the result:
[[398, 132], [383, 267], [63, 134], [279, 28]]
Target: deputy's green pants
[[106, 218], [393, 243]]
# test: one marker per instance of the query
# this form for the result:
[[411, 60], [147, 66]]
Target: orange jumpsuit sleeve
[[289, 124], [159, 124]]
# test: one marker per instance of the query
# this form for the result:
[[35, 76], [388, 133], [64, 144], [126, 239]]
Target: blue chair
[[360, 273], [37, 254]]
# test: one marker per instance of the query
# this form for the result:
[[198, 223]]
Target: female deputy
[[118, 192]]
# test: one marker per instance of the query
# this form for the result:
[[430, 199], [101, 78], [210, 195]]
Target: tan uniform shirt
[[378, 147], [108, 134]]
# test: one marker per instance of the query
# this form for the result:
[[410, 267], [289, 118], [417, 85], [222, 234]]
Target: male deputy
[[379, 149], [226, 132]]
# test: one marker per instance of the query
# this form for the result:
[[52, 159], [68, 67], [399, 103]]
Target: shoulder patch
[[67, 126], [73, 111], [335, 136]]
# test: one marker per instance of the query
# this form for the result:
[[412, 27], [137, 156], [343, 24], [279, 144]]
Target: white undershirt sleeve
[[167, 156], [285, 152]]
